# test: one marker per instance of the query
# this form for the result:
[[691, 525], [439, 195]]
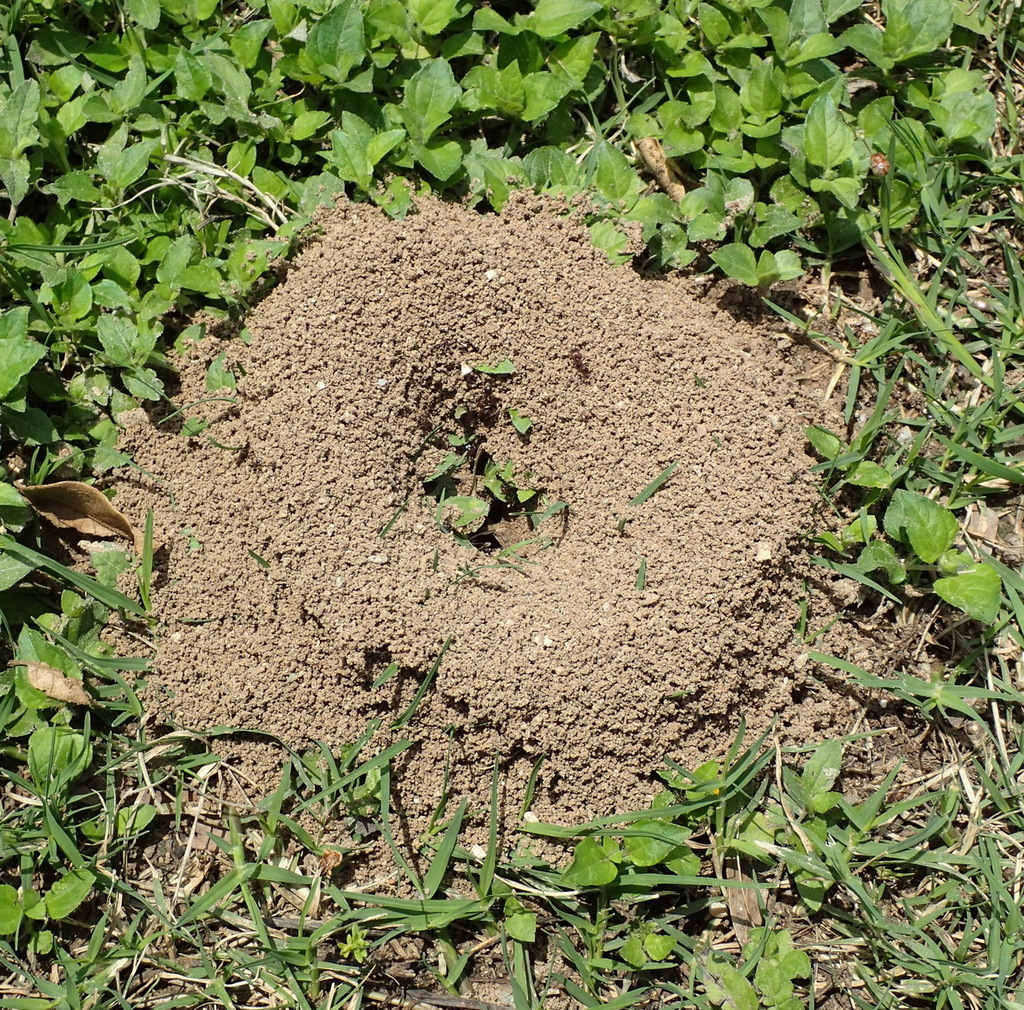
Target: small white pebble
[[378, 559]]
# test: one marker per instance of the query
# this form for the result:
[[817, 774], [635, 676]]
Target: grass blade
[[655, 484], [407, 715], [434, 877], [108, 597]]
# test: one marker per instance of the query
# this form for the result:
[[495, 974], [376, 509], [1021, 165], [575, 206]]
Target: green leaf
[[590, 866], [781, 266], [231, 82], [835, 9], [246, 40], [926, 525], [131, 164], [73, 186], [714, 24], [648, 851], [828, 141], [655, 485], [551, 18], [308, 123], [503, 367], [14, 176], [68, 893], [522, 926], [31, 425], [501, 90], [470, 512], [573, 58], [543, 91], [632, 951], [727, 113], [845, 189], [441, 158], [520, 422], [827, 445], [145, 13], [868, 474], [966, 116], [819, 775], [658, 946], [880, 554], [760, 94], [57, 755], [348, 154], [550, 168], [174, 261], [816, 47], [728, 988], [614, 177], [976, 592], [337, 42], [126, 95], [11, 910], [429, 98], [219, 374], [916, 28], [18, 352], [123, 342], [486, 19], [869, 42], [18, 120], [241, 156], [736, 260], [432, 16]]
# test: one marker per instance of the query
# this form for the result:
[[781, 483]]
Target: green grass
[[161, 155]]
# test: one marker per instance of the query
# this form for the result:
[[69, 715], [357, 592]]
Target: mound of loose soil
[[312, 579]]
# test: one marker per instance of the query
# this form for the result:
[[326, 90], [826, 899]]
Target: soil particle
[[295, 603]]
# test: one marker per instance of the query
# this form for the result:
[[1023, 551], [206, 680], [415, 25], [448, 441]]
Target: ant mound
[[479, 482]]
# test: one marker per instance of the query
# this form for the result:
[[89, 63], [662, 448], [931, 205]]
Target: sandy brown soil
[[295, 603]]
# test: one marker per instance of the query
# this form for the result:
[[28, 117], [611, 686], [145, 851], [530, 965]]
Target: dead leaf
[[744, 910], [330, 859], [55, 684], [663, 169], [78, 506], [983, 523]]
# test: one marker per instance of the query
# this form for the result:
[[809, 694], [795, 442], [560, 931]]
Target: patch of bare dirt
[[281, 601]]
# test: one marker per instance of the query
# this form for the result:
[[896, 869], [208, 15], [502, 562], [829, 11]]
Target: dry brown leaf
[[78, 506], [662, 168], [744, 910], [55, 684]]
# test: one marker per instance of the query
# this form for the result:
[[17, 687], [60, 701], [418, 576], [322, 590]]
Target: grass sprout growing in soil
[[857, 166], [485, 505]]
